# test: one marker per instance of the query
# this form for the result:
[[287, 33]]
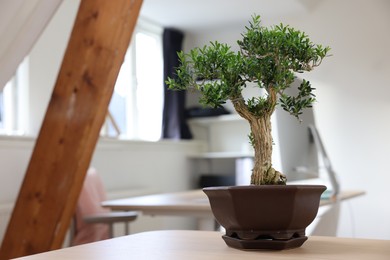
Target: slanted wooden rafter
[[71, 127]]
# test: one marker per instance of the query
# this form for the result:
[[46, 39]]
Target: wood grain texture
[[208, 245], [70, 129]]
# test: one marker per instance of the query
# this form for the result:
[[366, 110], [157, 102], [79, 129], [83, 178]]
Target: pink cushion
[[92, 194]]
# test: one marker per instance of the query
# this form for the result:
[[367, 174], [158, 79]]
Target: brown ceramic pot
[[266, 216]]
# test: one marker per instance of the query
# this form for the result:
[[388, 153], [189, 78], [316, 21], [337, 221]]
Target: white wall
[[353, 105], [353, 101]]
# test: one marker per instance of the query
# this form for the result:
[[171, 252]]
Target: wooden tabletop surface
[[190, 245]]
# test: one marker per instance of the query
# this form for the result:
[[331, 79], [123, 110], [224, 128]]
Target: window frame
[[132, 124]]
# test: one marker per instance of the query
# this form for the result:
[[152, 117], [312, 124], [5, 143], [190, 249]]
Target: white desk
[[187, 203], [188, 245]]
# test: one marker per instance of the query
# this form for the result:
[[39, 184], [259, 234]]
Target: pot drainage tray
[[264, 243]]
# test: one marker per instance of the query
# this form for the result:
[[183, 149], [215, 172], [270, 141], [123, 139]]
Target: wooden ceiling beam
[[71, 127]]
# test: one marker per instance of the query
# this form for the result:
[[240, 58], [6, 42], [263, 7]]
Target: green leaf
[[269, 57]]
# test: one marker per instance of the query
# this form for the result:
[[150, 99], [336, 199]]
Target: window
[[12, 105], [137, 102], [8, 111]]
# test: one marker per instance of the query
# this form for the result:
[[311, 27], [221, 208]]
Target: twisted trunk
[[263, 172]]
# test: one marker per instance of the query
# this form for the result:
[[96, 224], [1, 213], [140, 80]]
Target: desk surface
[[193, 203], [209, 245]]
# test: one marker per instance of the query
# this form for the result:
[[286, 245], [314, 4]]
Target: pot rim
[[282, 187]]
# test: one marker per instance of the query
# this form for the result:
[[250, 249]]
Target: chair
[[92, 222]]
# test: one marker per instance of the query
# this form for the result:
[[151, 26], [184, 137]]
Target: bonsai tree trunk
[[261, 139], [263, 172]]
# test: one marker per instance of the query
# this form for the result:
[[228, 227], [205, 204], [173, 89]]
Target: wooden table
[[187, 203], [209, 245]]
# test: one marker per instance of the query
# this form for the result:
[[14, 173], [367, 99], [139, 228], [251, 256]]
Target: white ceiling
[[21, 23], [195, 15]]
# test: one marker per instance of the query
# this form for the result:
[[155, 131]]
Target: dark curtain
[[174, 119]]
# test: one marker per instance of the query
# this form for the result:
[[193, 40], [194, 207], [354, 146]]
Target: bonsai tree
[[268, 58]]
